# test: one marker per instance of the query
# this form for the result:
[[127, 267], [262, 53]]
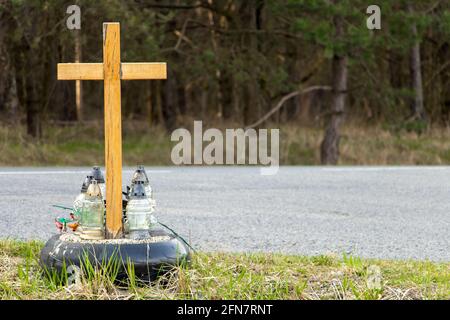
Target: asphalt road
[[379, 212]]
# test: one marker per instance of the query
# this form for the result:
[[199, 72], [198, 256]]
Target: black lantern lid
[[137, 190], [139, 175], [97, 174], [141, 167], [86, 183]]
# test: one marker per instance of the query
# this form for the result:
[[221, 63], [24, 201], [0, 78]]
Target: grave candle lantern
[[140, 174], [139, 218], [78, 203], [92, 213]]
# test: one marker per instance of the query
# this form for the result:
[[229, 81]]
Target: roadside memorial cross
[[111, 71]]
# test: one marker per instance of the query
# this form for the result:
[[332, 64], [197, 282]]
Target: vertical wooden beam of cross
[[112, 71]]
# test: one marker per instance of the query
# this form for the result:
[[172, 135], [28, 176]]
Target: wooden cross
[[111, 71]]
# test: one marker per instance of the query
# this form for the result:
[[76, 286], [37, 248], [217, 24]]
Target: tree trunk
[[226, 91], [330, 145], [31, 101], [8, 90], [159, 102], [32, 106], [248, 20], [170, 101], [214, 43], [4, 60], [149, 103], [78, 83], [443, 54], [417, 108]]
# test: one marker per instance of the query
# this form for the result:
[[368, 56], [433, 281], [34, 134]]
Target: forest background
[[339, 92]]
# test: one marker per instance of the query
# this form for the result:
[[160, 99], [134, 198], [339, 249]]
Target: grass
[[231, 276], [83, 145], [369, 146]]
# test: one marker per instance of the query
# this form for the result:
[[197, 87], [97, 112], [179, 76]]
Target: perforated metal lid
[[86, 183], [141, 167], [137, 190], [139, 174], [97, 174]]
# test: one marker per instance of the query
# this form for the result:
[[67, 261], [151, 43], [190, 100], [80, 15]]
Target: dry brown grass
[[371, 145], [83, 145]]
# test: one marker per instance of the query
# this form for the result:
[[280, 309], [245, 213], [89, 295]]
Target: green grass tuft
[[228, 276]]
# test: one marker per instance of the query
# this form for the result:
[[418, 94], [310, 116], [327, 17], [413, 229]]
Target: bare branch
[[283, 101]]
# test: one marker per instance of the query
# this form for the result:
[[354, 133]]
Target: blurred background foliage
[[230, 63]]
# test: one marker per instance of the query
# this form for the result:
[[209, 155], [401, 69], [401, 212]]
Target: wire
[[176, 234], [61, 207]]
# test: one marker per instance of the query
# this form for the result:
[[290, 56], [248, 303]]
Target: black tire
[[150, 260]]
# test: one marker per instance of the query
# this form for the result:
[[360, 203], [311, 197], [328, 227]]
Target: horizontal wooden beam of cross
[[128, 71]]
